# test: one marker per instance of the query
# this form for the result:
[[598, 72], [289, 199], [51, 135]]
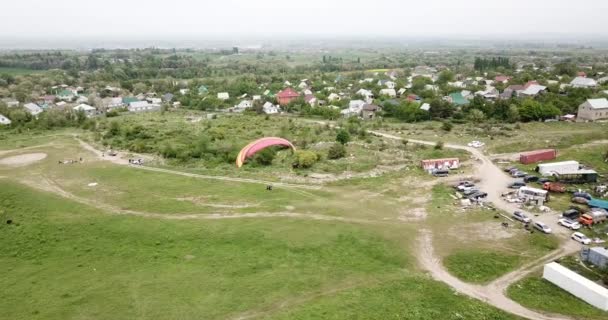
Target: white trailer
[[577, 285], [548, 169], [533, 195]]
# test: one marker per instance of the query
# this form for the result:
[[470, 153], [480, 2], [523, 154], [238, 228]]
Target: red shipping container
[[537, 155]]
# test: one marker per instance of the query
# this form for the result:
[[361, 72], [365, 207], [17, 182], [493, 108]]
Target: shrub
[[336, 151], [305, 159], [446, 126], [439, 145], [264, 157], [343, 136]]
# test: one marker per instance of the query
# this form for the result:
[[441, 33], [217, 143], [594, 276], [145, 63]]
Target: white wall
[[577, 285]]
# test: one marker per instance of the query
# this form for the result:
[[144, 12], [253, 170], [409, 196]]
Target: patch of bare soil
[[23, 159], [413, 214], [483, 231]]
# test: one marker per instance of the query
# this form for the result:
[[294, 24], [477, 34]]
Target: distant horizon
[[209, 41]]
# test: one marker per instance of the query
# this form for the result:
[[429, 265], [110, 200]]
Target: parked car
[[517, 185], [477, 195], [441, 173], [542, 227], [465, 186], [509, 169], [470, 191], [543, 180], [570, 224], [520, 216], [571, 214], [519, 174], [528, 179], [476, 144], [579, 237]]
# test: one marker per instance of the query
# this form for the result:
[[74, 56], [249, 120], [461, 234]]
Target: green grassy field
[[532, 292]]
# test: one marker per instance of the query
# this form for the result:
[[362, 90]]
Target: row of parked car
[[566, 221], [470, 191]]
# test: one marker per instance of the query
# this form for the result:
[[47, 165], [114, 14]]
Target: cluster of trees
[[485, 64], [51, 119]]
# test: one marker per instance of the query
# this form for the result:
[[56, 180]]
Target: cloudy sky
[[156, 18]]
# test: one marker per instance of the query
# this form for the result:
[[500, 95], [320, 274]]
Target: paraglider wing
[[251, 149]]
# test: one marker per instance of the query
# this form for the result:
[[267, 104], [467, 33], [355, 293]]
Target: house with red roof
[[286, 96], [502, 79]]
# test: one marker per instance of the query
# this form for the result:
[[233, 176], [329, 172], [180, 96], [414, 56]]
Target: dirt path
[[493, 181], [494, 293], [121, 159], [47, 185]]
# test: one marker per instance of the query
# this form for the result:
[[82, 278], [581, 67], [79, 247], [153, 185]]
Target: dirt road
[[493, 181], [494, 293]]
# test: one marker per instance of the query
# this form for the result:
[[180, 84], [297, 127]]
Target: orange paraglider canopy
[[254, 147]]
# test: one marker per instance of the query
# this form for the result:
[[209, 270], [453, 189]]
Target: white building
[[334, 97], [583, 82], [10, 102], [366, 94], [223, 96], [142, 106], [242, 106], [87, 109], [577, 285], [270, 108], [548, 169], [533, 90], [4, 120], [388, 92], [593, 109], [33, 109]]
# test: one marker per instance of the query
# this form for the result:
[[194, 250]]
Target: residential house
[[593, 109], [457, 99], [354, 108], [87, 109], [307, 91], [4, 120], [256, 97], [66, 95], [532, 90], [401, 91], [155, 100], [48, 99], [388, 92], [366, 94], [223, 96], [310, 99], [33, 109], [143, 106], [457, 84], [168, 97], [334, 97], [82, 99], [368, 111], [490, 93], [270, 108], [242, 106], [502, 79], [303, 85], [286, 96], [61, 105], [583, 82], [184, 92], [387, 83], [10, 102], [202, 90]]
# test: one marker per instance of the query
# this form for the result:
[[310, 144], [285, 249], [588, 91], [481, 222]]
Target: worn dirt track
[[493, 181]]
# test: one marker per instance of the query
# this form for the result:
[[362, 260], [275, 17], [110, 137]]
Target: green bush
[[336, 151], [305, 159]]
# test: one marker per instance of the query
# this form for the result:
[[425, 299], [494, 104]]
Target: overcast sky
[[158, 18]]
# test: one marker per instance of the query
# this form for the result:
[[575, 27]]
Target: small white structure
[[87, 109], [577, 285], [388, 92], [10, 102], [548, 169], [425, 107], [223, 96], [533, 90], [366, 94], [583, 82], [4, 120], [184, 92], [532, 195], [334, 97], [142, 106], [33, 109], [270, 108], [242, 106]]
